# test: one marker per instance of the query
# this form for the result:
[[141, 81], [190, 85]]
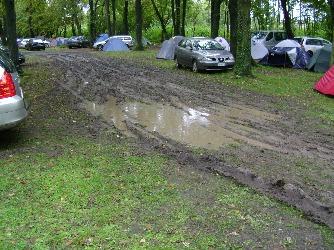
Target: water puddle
[[195, 127]]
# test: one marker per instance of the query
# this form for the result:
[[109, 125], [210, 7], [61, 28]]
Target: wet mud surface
[[226, 130]]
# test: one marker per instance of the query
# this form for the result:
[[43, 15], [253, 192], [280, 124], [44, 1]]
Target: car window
[[298, 40], [183, 43], [280, 36], [261, 35], [325, 42], [207, 45], [314, 42], [6, 63], [270, 36], [189, 44]]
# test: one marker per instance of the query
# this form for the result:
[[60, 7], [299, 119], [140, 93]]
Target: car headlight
[[204, 58]]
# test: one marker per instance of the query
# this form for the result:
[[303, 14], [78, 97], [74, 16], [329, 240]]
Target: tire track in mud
[[93, 78]]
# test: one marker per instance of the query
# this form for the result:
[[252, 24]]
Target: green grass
[[287, 83], [61, 188]]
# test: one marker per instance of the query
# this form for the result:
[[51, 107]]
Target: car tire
[[195, 67], [99, 47], [178, 65], [310, 53]]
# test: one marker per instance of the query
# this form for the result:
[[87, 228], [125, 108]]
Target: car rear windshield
[[6, 63], [207, 45]]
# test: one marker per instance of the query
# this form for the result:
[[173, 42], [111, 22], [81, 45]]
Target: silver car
[[13, 107], [202, 54]]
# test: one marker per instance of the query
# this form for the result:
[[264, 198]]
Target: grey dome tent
[[320, 61], [168, 48], [115, 44]]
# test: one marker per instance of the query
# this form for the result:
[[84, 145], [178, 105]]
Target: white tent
[[288, 44], [223, 43], [259, 51]]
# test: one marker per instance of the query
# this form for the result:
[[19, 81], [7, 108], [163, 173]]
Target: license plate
[[221, 64]]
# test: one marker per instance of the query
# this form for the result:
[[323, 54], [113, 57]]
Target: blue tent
[[115, 44], [101, 37]]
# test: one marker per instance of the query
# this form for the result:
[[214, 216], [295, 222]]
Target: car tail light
[[7, 87]]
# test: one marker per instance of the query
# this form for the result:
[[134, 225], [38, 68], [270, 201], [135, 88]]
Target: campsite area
[[97, 171]]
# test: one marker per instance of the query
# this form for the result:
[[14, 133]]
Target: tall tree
[[287, 19], [177, 18], [92, 21], [215, 17], [173, 17], [243, 65], [107, 16], [184, 14], [161, 20], [139, 25], [11, 29], [331, 7], [113, 8], [233, 12], [125, 17]]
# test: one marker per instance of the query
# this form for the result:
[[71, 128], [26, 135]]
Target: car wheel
[[99, 47], [178, 65], [195, 66], [310, 53]]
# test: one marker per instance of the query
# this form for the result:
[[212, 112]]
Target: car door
[[180, 52], [269, 42], [188, 53]]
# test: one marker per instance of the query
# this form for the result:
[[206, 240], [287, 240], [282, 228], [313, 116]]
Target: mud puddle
[[197, 127]]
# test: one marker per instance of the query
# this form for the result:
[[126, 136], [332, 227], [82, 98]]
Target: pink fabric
[[326, 84]]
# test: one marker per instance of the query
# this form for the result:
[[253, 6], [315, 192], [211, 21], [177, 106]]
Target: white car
[[22, 44], [312, 44], [126, 39]]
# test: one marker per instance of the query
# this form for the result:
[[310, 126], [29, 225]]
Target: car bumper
[[207, 65], [13, 110]]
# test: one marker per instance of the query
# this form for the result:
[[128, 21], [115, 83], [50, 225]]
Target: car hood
[[214, 53]]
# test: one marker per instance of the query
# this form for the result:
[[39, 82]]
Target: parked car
[[13, 106], [268, 38], [78, 42], [203, 54], [5, 50], [35, 44], [126, 39], [22, 44], [312, 44]]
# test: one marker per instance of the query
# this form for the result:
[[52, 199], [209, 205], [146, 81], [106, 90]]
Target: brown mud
[[223, 129]]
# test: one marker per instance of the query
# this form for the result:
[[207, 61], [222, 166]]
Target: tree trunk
[[11, 30], [113, 8], [74, 33], [331, 6], [3, 32], [233, 11], [125, 18], [184, 13], [139, 25], [78, 24], [287, 19], [177, 17], [107, 16], [173, 17], [161, 20], [243, 66], [92, 25], [215, 17]]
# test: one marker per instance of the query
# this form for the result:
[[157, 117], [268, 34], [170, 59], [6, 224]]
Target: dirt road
[[235, 133]]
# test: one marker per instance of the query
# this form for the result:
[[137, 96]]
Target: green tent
[[320, 61]]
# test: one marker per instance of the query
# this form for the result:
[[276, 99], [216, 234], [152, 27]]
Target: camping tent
[[321, 59], [101, 37], [168, 48], [287, 53], [326, 84], [115, 44], [259, 51], [223, 43]]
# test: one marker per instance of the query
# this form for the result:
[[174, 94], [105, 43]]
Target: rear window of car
[[6, 63], [314, 42]]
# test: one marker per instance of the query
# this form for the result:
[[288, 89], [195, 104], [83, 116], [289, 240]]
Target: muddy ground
[[280, 152]]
